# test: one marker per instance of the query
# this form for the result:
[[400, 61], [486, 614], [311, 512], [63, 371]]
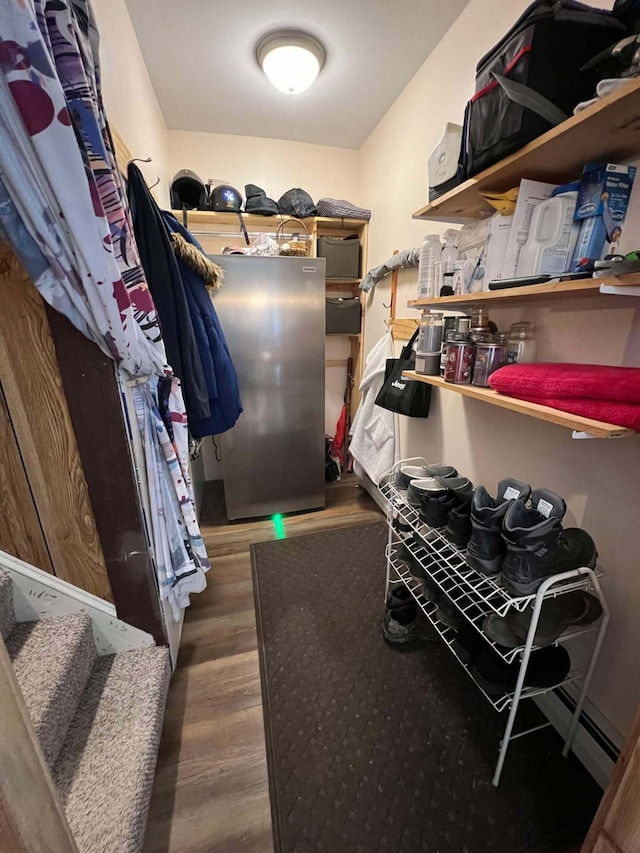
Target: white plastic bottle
[[449, 253], [429, 255]]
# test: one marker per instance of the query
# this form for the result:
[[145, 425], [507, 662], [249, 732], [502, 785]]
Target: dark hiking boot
[[486, 547], [404, 553], [538, 547], [399, 596], [399, 625], [458, 530]]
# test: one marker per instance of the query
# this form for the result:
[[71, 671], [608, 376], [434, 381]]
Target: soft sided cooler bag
[[532, 79]]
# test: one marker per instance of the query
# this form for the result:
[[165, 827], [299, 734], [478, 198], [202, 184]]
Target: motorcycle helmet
[[188, 191], [226, 198]]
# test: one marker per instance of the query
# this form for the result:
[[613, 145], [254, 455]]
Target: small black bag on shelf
[[404, 396]]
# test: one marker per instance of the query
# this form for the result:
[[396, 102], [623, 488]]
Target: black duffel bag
[[404, 396], [532, 79]]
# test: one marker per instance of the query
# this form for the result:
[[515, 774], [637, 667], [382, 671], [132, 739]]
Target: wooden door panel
[[20, 531], [39, 414], [616, 826]]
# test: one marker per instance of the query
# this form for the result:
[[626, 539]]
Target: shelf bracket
[[629, 290], [576, 434]]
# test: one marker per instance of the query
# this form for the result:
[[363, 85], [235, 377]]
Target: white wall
[[276, 165], [598, 479], [130, 102]]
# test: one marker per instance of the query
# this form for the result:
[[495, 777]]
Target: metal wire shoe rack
[[476, 596]]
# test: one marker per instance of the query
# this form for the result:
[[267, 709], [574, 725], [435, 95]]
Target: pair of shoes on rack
[[436, 497], [519, 534], [571, 610], [408, 473], [405, 551], [547, 667], [447, 613], [399, 624]]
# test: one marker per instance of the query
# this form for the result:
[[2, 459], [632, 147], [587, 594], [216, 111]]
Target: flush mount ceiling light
[[291, 60]]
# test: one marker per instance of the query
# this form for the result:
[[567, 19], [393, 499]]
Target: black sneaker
[[458, 529], [467, 643], [547, 667], [431, 590], [497, 629], [438, 501], [399, 596], [538, 547], [413, 564], [570, 610], [399, 625], [417, 490], [448, 613]]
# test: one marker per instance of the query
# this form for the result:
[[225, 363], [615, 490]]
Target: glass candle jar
[[489, 357], [459, 360], [522, 345], [479, 316]]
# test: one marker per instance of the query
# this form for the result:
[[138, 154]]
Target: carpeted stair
[[98, 721]]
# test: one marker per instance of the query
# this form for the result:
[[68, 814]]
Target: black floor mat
[[375, 749]]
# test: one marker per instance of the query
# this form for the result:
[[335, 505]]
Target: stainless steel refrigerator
[[272, 311]]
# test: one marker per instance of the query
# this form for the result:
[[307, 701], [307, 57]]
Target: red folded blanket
[[609, 411], [564, 381]]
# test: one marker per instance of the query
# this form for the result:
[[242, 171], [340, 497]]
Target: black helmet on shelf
[[188, 191], [226, 198], [297, 202]]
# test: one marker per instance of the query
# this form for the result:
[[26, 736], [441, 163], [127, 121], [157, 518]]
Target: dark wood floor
[[211, 791]]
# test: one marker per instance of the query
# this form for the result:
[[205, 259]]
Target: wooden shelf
[[560, 289], [608, 130], [343, 335], [255, 220], [344, 285], [598, 429]]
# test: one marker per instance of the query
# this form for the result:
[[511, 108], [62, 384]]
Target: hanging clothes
[[56, 196], [65, 213], [161, 269], [374, 444], [220, 374], [179, 549]]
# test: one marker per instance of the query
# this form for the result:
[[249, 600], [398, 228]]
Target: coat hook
[[386, 306], [155, 183], [140, 160]]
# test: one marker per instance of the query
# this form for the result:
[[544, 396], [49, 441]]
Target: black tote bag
[[404, 396]]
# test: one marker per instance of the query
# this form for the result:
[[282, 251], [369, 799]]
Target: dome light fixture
[[290, 59]]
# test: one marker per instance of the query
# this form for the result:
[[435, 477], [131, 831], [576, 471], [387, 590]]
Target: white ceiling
[[201, 60]]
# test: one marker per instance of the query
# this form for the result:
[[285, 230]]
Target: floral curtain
[[64, 209]]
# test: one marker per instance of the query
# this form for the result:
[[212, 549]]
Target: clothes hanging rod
[[291, 236]]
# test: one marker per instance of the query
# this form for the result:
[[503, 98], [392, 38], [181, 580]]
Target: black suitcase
[[533, 78]]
